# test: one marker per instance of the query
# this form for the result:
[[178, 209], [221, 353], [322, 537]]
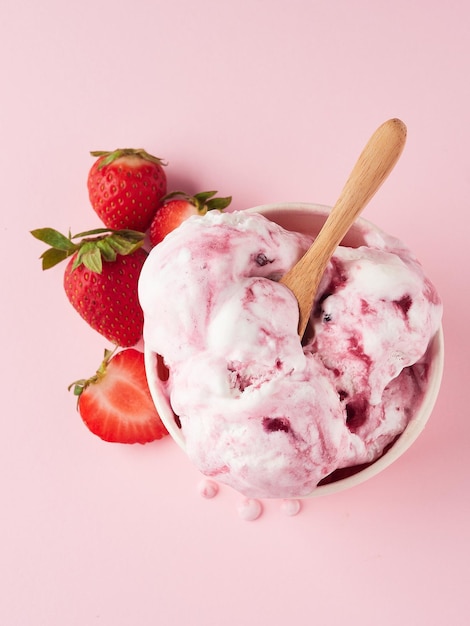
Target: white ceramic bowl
[[309, 218]]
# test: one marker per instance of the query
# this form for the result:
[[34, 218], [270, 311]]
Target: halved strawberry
[[116, 404], [178, 206]]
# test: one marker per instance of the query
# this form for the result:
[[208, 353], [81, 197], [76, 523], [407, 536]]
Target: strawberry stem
[[203, 201], [80, 385], [95, 245], [109, 157]]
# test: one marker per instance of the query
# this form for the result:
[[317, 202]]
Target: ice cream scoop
[[375, 163]]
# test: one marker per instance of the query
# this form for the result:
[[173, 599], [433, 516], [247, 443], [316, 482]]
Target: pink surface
[[269, 101]]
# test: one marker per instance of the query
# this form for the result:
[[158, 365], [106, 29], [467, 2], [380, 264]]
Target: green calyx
[[203, 201], [93, 247], [79, 386], [110, 157]]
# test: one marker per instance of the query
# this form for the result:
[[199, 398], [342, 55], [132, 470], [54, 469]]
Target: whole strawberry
[[116, 404], [178, 206], [125, 188], [101, 278]]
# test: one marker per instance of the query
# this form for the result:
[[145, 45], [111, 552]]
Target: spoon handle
[[371, 169]]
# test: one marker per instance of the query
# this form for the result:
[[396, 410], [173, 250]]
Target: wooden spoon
[[372, 167]]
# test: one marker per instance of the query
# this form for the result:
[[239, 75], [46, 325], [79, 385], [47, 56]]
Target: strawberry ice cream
[[258, 410]]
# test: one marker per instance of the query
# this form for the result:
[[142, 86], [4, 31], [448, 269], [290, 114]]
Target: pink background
[[268, 100]]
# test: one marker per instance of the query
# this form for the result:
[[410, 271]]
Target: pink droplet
[[291, 507], [208, 488], [250, 509]]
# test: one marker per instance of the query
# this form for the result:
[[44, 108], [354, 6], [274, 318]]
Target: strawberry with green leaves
[[178, 206], [125, 188], [116, 404], [101, 278]]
